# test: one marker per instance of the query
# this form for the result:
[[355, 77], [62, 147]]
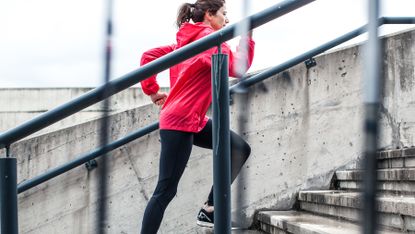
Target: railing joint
[[231, 100], [91, 165], [8, 151], [311, 62]]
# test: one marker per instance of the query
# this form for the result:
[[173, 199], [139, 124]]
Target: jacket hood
[[189, 32]]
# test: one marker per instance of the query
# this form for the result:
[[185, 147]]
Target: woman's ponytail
[[184, 14]]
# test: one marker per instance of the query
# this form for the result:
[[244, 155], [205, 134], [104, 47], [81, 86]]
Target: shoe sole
[[204, 224]]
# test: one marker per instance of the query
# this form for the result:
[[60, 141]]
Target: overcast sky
[[55, 43]]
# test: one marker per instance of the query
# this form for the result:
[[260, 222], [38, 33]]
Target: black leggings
[[176, 147]]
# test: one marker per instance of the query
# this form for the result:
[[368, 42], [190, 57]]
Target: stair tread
[[397, 153], [233, 231], [390, 174], [339, 193], [383, 170], [402, 204], [391, 187], [379, 170], [303, 222]]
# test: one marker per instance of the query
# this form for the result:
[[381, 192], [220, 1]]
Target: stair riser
[[286, 229], [392, 188], [383, 175], [401, 222], [271, 229], [408, 162], [410, 152], [355, 202], [296, 222]]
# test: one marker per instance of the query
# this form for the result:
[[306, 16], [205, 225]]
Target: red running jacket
[[190, 81]]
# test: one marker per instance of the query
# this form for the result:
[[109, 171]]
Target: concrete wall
[[302, 125], [18, 105], [309, 123]]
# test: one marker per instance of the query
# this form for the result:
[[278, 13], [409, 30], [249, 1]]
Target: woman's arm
[[150, 85], [240, 60]]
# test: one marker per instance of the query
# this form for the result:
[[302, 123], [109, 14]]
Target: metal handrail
[[25, 185], [313, 52], [372, 101], [245, 83], [114, 86], [398, 20]]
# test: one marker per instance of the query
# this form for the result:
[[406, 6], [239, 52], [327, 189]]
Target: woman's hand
[[158, 98], [250, 33]]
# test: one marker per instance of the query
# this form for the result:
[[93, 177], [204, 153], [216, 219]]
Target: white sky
[[52, 43]]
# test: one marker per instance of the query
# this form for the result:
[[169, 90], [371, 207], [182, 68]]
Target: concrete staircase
[[338, 211]]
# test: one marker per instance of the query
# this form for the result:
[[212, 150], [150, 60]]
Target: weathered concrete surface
[[396, 174], [396, 153], [18, 105], [384, 187], [233, 231], [307, 125], [398, 158], [397, 162], [390, 181], [399, 99], [394, 211], [404, 205], [296, 222]]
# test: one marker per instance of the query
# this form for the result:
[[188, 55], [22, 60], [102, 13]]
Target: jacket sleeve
[[150, 85], [241, 55]]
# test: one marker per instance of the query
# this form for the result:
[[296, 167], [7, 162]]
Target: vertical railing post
[[221, 144], [8, 194], [243, 30], [102, 222], [372, 102]]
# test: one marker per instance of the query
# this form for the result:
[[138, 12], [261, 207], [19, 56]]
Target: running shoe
[[205, 219]]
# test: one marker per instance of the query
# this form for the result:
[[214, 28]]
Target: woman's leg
[[240, 151], [176, 147]]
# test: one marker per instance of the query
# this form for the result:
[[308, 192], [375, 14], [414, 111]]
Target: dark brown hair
[[196, 11]]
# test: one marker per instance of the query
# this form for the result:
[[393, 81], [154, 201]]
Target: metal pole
[[221, 144], [372, 102], [243, 104], [103, 168], [8, 195]]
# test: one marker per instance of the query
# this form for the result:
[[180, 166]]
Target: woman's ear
[[208, 16]]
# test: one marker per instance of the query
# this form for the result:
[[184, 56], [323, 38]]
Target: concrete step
[[236, 229], [299, 222], [395, 211], [395, 180], [401, 158], [233, 231]]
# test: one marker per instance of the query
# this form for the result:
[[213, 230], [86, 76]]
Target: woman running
[[183, 120]]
